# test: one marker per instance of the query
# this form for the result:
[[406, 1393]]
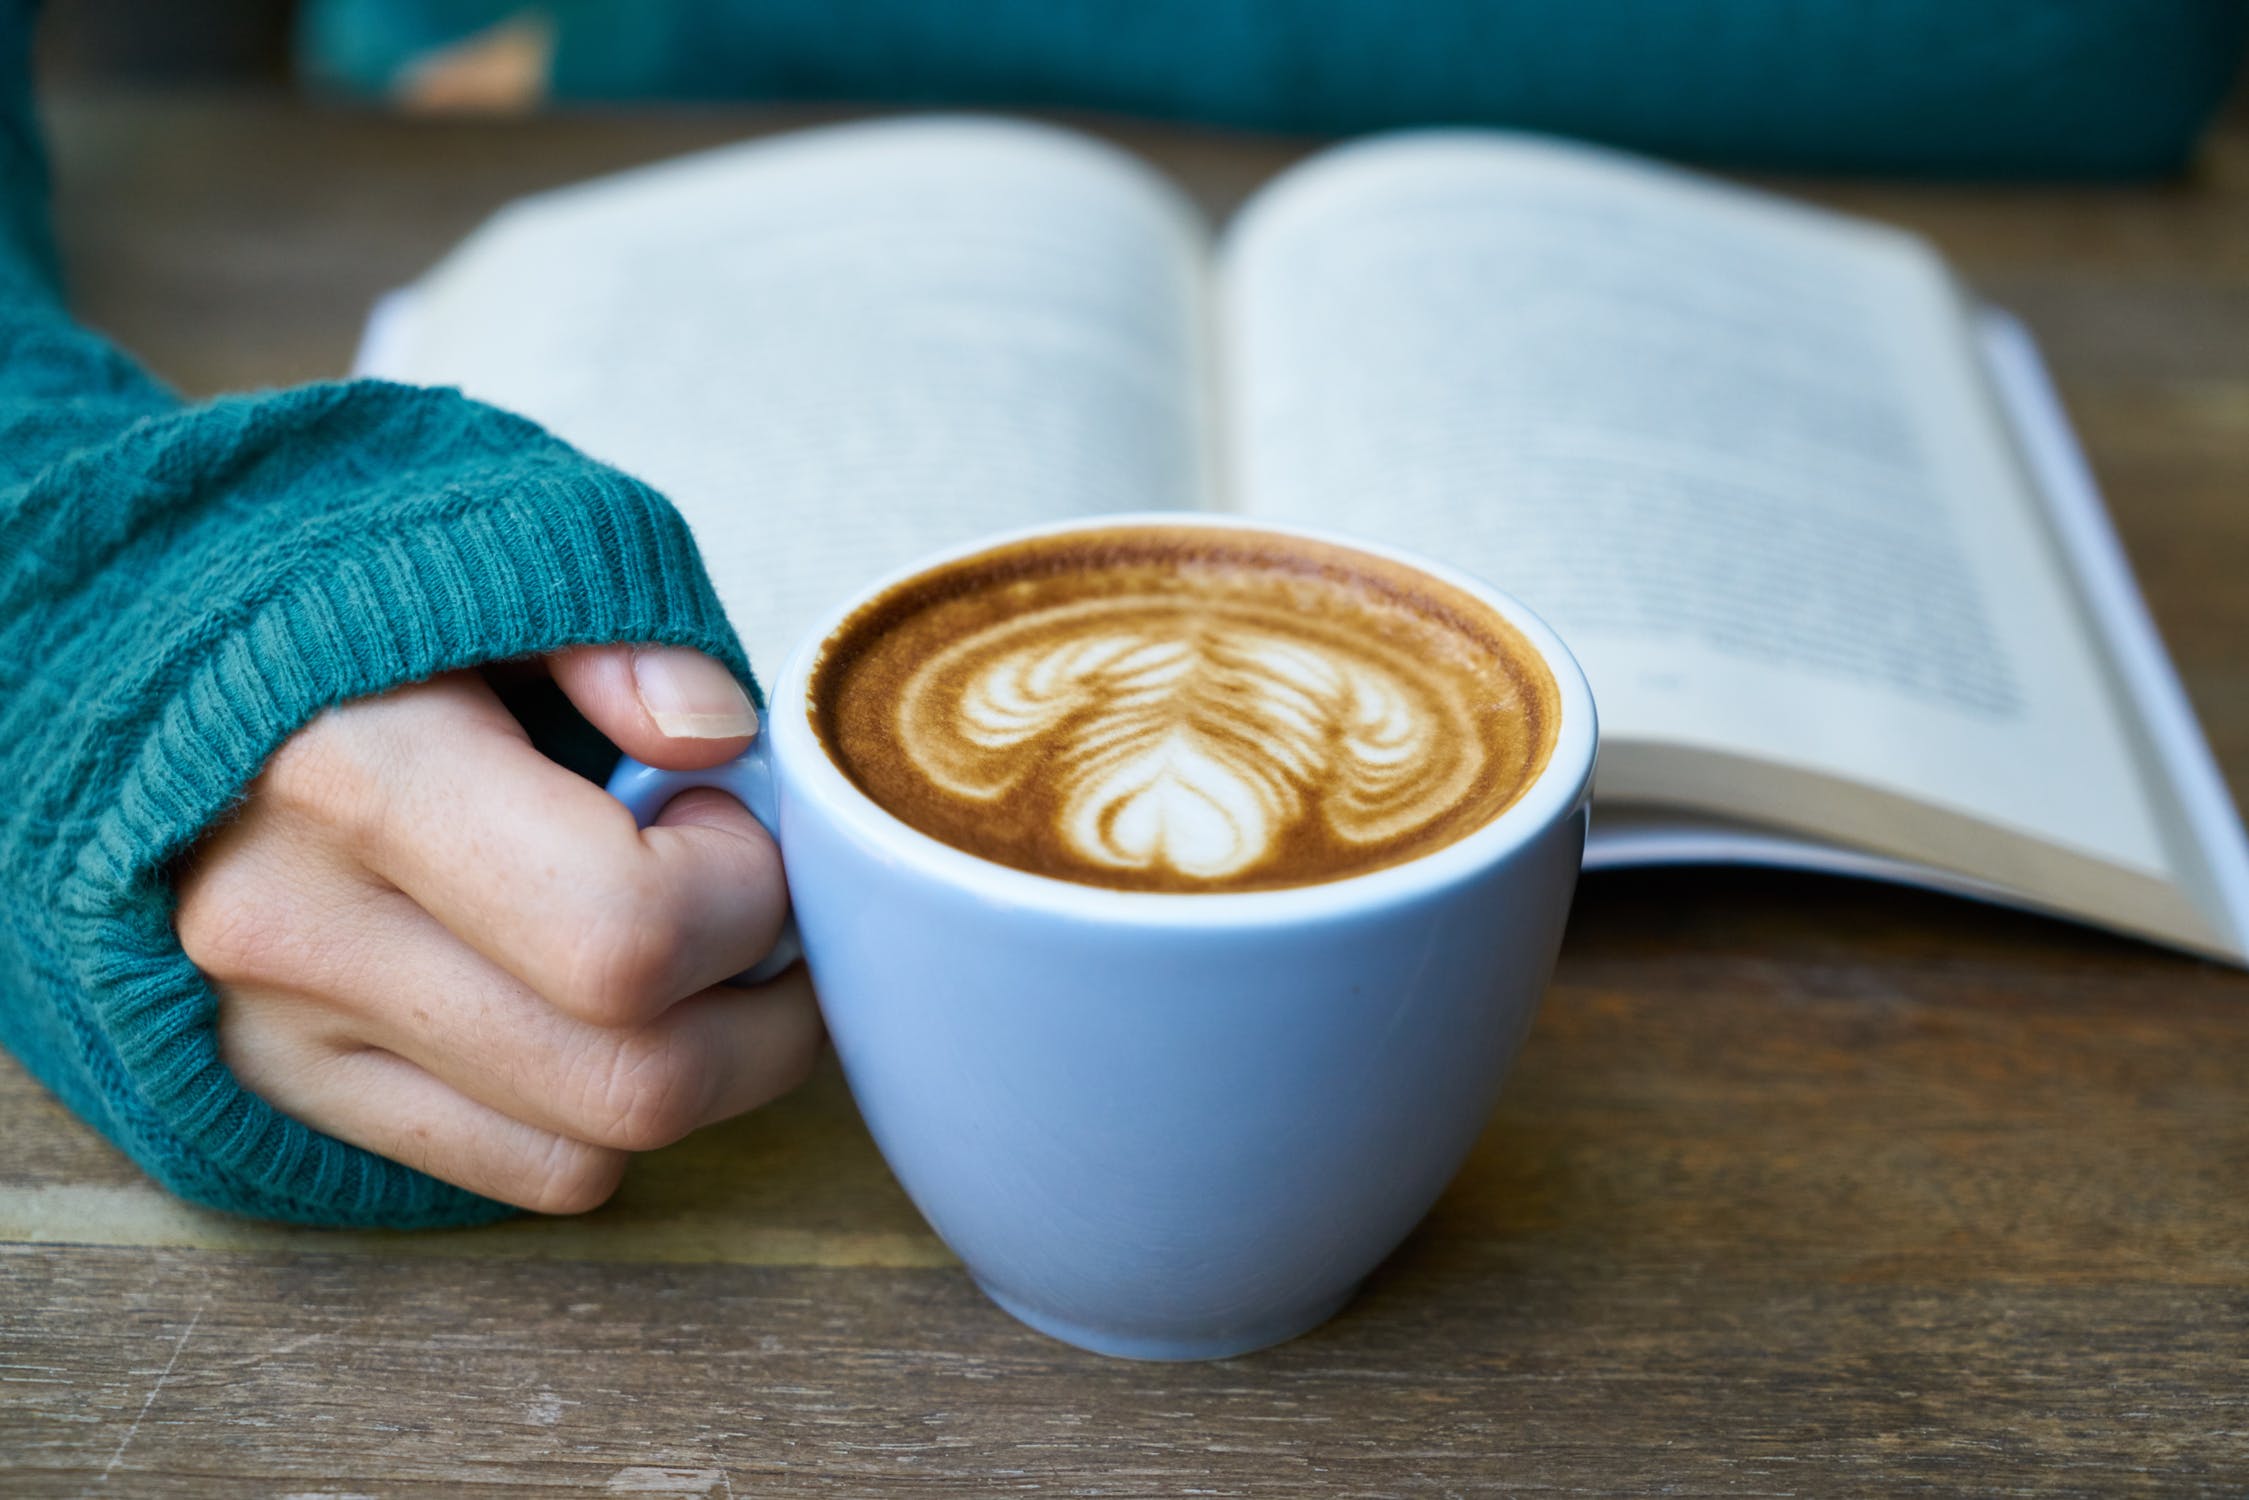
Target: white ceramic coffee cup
[[1166, 1126]]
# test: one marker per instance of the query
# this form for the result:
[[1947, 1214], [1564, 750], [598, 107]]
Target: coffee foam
[[1184, 708]]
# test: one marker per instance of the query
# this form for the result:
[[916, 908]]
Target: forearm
[[183, 588]]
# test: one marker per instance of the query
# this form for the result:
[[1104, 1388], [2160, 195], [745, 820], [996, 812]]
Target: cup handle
[[749, 778]]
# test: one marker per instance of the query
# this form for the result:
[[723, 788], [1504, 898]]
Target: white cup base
[[1240, 1339]]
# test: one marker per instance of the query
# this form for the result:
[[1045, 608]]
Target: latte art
[[1190, 740], [1184, 708]]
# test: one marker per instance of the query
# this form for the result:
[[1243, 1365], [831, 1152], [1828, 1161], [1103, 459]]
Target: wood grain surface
[[1802, 1186]]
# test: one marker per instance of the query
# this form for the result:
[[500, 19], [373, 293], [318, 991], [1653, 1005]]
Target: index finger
[[544, 873]]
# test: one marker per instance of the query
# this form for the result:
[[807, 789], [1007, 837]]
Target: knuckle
[[569, 1177], [618, 965], [643, 1094], [235, 926], [320, 777]]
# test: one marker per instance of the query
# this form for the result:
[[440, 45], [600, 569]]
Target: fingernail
[[691, 697]]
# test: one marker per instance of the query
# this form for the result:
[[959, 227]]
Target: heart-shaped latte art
[[1196, 741]]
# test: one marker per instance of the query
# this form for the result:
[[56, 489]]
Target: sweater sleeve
[[184, 586]]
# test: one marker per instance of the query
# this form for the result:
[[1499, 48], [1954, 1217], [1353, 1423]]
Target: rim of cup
[[1560, 787]]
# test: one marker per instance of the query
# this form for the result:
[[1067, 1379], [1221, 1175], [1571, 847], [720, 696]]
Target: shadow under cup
[[1154, 1124]]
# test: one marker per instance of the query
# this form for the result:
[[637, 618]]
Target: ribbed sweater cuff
[[587, 556]]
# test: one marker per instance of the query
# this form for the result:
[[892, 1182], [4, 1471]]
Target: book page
[[1737, 451], [840, 350]]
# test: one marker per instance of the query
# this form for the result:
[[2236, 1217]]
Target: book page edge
[[1627, 842], [2064, 481]]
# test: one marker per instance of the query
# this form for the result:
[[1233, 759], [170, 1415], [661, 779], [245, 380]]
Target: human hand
[[430, 940]]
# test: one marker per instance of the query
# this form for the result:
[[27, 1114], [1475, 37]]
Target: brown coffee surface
[[1184, 708]]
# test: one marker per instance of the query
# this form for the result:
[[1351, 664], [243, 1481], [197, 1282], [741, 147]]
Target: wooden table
[[1802, 1186]]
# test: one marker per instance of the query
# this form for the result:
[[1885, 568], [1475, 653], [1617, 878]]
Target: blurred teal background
[[1979, 88], [1983, 87]]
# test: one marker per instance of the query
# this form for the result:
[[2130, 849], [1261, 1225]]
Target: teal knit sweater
[[181, 588]]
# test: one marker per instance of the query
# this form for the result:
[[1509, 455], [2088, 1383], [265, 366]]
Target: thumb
[[664, 705]]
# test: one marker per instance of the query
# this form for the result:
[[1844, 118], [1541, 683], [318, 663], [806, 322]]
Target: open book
[[1810, 519]]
